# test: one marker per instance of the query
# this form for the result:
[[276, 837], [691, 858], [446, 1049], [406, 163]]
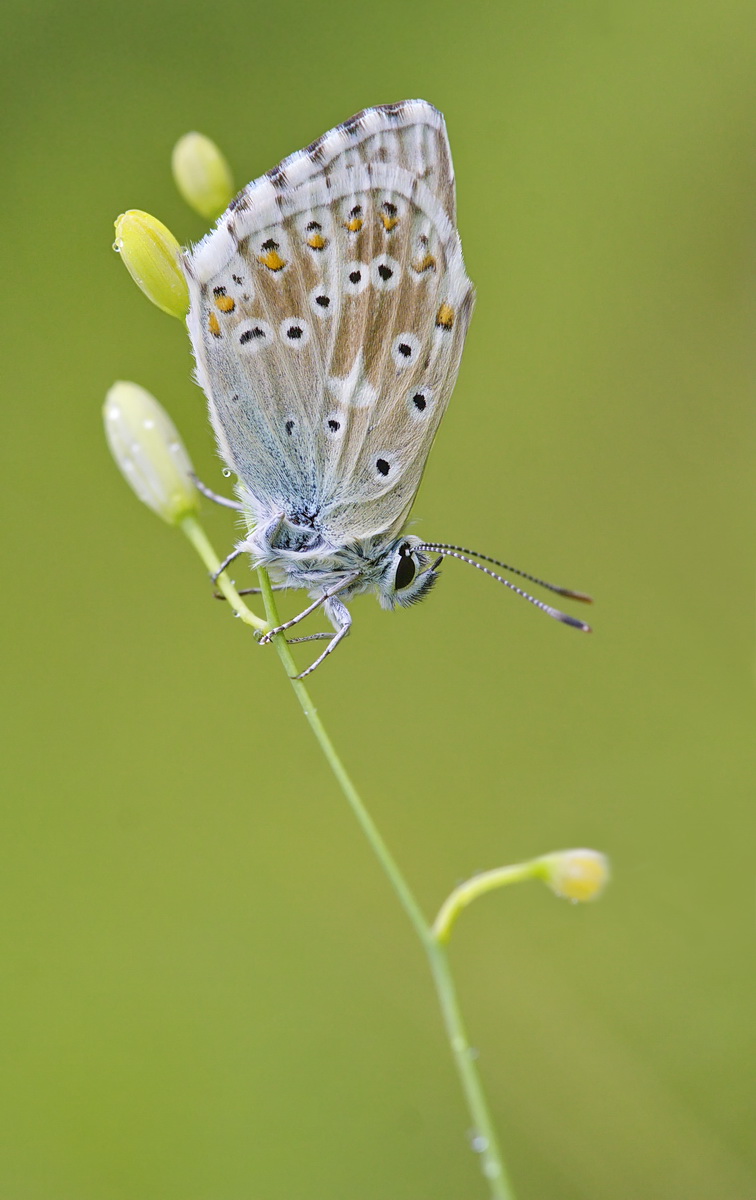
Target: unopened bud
[[576, 875], [202, 175], [151, 255], [149, 452]]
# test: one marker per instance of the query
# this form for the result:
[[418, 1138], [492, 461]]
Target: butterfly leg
[[311, 637], [211, 495], [339, 615], [325, 599], [274, 587], [270, 533], [227, 563]]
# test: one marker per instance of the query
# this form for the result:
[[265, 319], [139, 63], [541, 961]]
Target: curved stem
[[485, 881]]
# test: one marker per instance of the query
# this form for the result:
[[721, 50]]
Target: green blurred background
[[209, 991]]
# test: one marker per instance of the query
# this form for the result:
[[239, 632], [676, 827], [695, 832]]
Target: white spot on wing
[[419, 402], [322, 301], [253, 336], [404, 349], [356, 277], [353, 389], [294, 332], [385, 465], [385, 272]]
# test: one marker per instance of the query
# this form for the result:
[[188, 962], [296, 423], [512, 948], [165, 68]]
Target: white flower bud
[[149, 452], [202, 175]]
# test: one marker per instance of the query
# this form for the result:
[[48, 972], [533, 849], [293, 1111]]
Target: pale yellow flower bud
[[151, 255], [576, 875], [149, 452], [202, 175]]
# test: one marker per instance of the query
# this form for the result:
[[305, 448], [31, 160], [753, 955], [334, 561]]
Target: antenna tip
[[575, 623], [583, 597]]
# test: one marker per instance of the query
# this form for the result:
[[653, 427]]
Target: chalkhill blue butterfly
[[329, 308]]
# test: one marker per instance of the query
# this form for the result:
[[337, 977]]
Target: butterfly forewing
[[329, 310]]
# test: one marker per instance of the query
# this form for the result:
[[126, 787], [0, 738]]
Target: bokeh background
[[209, 991]]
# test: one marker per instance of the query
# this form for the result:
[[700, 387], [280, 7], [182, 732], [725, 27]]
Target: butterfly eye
[[406, 570]]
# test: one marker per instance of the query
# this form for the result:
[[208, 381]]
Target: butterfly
[[329, 309]]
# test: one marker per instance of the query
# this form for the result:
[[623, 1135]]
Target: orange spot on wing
[[226, 304], [445, 316], [354, 224], [214, 325], [272, 260], [389, 222], [317, 241], [428, 263]]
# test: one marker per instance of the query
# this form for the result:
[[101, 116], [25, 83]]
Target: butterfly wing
[[329, 309]]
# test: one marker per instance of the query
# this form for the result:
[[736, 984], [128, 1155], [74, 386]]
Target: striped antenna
[[461, 553]]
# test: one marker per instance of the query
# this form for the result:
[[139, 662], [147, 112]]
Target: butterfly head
[[408, 574]]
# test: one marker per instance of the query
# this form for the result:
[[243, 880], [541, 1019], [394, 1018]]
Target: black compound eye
[[406, 570]]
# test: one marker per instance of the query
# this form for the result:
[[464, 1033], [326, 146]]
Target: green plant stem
[[369, 828], [483, 1134], [484, 882], [484, 1140], [192, 529]]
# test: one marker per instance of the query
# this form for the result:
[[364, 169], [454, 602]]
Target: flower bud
[[151, 254], [576, 875], [149, 452], [202, 175]]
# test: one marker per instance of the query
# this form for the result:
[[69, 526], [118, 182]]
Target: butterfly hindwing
[[328, 312]]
